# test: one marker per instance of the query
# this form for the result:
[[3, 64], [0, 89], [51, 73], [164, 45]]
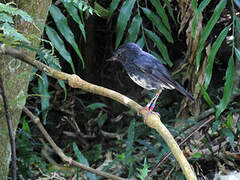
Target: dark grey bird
[[146, 71]]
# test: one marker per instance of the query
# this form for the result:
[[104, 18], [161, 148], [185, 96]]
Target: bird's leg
[[147, 107], [155, 100], [150, 106]]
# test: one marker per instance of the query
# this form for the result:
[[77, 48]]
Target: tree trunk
[[16, 75]]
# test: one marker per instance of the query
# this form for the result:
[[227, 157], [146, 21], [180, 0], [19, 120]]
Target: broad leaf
[[158, 23], [59, 45], [81, 158], [123, 18], [72, 10], [161, 12], [211, 23], [215, 47], [134, 29], [160, 45], [62, 25], [228, 87]]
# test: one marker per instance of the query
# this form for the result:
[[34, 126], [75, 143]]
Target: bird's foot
[[148, 113]]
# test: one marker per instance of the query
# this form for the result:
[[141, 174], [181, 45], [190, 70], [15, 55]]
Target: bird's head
[[125, 52]]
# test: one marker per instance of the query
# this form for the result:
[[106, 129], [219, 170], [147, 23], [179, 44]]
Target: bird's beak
[[112, 59]]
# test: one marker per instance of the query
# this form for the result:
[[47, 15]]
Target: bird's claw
[[148, 113]]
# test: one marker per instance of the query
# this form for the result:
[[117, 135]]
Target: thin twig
[[182, 142], [59, 151], [10, 130]]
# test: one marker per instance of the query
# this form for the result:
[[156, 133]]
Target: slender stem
[[10, 130]]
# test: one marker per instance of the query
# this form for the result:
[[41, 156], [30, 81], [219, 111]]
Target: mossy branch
[[152, 120]]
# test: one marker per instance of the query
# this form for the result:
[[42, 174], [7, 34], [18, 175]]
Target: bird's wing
[[152, 66]]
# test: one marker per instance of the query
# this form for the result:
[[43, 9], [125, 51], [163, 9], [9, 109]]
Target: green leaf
[[96, 105], [237, 52], [229, 121], [59, 45], [143, 172], [102, 119], [113, 7], [45, 98], [14, 11], [123, 18], [207, 30], [170, 10], [238, 126], [197, 12], [62, 84], [160, 45], [161, 12], [194, 2], [134, 29], [6, 18], [158, 23], [228, 87], [237, 23], [83, 160], [64, 29], [158, 57], [207, 97], [141, 41], [8, 30], [197, 155], [215, 47], [25, 126], [203, 5], [130, 138], [73, 11], [229, 134]]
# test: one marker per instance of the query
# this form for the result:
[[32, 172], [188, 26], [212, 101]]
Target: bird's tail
[[184, 91]]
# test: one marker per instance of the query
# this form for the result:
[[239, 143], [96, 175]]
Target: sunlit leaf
[[62, 25], [228, 87], [158, 23], [160, 45], [123, 18], [197, 155], [215, 47], [144, 171], [161, 12], [10, 31], [207, 30], [59, 45], [73, 11], [134, 29]]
